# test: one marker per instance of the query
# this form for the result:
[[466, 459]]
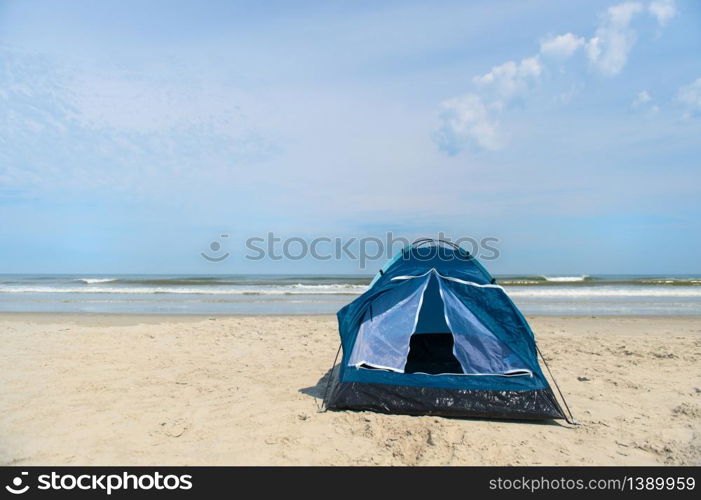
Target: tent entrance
[[432, 353], [431, 347]]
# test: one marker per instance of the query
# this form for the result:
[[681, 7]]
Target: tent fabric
[[436, 290], [430, 318]]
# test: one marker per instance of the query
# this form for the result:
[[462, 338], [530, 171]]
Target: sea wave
[[219, 281], [566, 279], [587, 280], [291, 290], [554, 292], [321, 283], [94, 281], [519, 282], [672, 281], [335, 286], [593, 292]]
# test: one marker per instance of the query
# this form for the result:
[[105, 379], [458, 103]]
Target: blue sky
[[134, 133]]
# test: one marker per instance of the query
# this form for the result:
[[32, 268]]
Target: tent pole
[[322, 408], [570, 420]]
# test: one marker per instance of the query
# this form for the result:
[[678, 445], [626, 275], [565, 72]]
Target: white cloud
[[467, 119], [561, 46], [690, 96], [663, 10], [511, 78], [644, 101], [567, 96], [609, 48], [642, 98], [470, 119]]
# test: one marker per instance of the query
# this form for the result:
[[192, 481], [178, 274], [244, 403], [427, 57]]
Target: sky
[[134, 134]]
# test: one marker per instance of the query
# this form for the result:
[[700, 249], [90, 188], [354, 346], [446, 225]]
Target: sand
[[147, 390]]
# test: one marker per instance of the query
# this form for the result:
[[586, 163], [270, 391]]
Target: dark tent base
[[539, 404]]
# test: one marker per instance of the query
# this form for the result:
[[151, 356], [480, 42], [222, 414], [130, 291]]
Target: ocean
[[309, 294]]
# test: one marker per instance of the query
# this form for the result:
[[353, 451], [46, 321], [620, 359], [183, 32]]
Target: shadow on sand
[[317, 391]]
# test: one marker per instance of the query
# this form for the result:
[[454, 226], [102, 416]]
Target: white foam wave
[[273, 290], [585, 292], [93, 281], [550, 292], [518, 282], [344, 286], [565, 279]]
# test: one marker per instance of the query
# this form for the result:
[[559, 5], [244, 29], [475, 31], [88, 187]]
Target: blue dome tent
[[435, 335]]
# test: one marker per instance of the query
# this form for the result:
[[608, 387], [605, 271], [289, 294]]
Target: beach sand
[[141, 390]]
